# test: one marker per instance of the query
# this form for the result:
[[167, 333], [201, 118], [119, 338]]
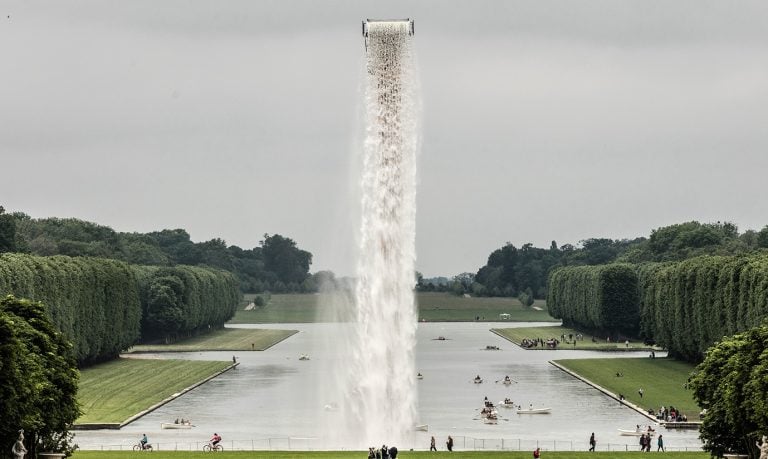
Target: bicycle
[[213, 448], [139, 447]]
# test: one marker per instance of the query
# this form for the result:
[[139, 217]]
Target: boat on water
[[491, 419], [176, 425], [507, 404], [636, 432], [419, 376], [534, 410], [421, 427], [304, 357]]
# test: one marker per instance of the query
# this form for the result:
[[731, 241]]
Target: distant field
[[433, 307], [662, 380], [228, 339], [401, 455], [517, 335], [114, 391]]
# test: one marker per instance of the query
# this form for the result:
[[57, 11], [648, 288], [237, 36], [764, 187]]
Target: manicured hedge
[[600, 297], [93, 301], [104, 306], [689, 305], [182, 300]]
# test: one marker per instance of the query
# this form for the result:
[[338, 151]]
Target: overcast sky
[[543, 120]]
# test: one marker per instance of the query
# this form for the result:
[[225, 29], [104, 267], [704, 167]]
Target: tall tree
[[7, 232], [732, 385], [38, 378]]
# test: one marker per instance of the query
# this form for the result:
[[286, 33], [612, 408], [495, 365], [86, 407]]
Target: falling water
[[381, 384]]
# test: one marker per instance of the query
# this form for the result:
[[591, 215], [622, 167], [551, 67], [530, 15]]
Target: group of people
[[383, 452], [550, 343], [645, 442], [670, 414], [448, 444]]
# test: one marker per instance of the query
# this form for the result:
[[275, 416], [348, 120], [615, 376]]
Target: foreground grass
[[517, 335], [114, 391], [227, 339], [662, 380], [401, 454], [432, 306]]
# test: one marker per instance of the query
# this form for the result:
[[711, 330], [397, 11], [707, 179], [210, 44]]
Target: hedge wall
[[600, 297], [93, 301]]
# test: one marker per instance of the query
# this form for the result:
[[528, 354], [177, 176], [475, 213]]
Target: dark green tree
[[7, 232], [38, 378], [284, 259], [732, 385]]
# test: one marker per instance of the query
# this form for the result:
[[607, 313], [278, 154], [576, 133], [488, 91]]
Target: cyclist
[[144, 441], [215, 439]]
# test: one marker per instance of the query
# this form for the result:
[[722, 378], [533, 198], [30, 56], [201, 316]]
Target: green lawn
[[433, 307], [114, 391], [516, 335], [662, 381], [401, 454], [227, 339]]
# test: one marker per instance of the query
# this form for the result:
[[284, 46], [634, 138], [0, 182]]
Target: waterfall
[[381, 384]]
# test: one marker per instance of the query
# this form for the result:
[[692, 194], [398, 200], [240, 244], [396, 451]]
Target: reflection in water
[[272, 400]]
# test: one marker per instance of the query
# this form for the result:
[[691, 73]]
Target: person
[[393, 452], [763, 448], [371, 453], [640, 391], [19, 451], [537, 453], [592, 442], [449, 443], [384, 452], [215, 439], [144, 441], [660, 443], [432, 446]]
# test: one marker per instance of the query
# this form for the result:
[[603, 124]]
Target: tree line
[[277, 264], [524, 271], [105, 306]]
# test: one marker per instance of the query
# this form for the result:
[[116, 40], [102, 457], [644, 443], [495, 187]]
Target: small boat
[[636, 432], [533, 410], [507, 404], [304, 357], [419, 376], [506, 382], [440, 338], [492, 348], [478, 380], [493, 419], [176, 425], [421, 427]]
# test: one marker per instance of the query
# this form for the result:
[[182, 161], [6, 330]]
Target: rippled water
[[273, 400]]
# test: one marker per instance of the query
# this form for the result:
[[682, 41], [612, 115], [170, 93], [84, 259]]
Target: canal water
[[273, 400]]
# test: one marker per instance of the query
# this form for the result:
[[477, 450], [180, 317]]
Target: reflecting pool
[[273, 400]]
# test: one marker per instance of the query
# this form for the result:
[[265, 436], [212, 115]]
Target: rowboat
[[505, 404], [534, 410], [174, 425], [421, 427], [636, 433]]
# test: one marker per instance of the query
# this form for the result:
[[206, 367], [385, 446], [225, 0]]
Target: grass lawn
[[114, 391], [227, 339], [433, 307], [662, 381], [401, 454], [516, 335]]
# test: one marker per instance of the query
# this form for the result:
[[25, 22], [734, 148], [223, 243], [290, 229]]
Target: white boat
[[506, 382], [304, 357], [419, 376], [533, 410], [175, 425], [491, 420], [636, 432], [478, 380], [505, 404], [421, 427]]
